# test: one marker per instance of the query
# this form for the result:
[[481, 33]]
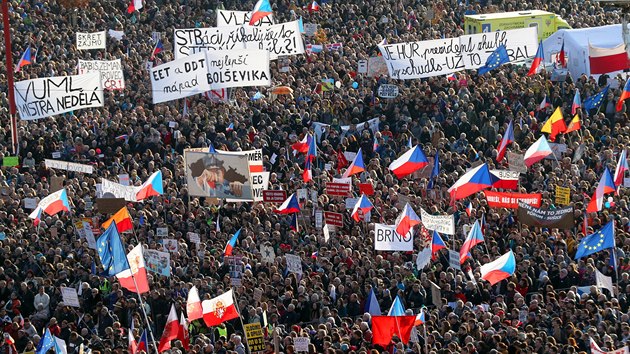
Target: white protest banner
[[30, 203], [294, 263], [157, 261], [237, 18], [45, 97], [453, 260], [301, 344], [84, 230], [180, 78], [424, 258], [283, 39], [117, 190], [112, 77], [238, 68], [387, 239], [96, 40], [189, 41], [444, 224], [68, 166], [268, 254], [388, 91], [415, 60], [70, 297]]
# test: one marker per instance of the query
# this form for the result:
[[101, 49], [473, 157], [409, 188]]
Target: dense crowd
[[538, 310]]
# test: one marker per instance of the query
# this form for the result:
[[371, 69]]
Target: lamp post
[[9, 64]]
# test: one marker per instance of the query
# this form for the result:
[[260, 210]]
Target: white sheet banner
[[128, 193], [45, 97], [283, 39], [444, 224], [112, 77], [68, 166], [320, 128], [96, 40], [294, 263], [237, 18], [415, 60], [238, 68], [180, 78], [387, 239]]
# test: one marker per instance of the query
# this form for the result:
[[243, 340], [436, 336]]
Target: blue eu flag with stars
[[601, 240], [111, 251], [593, 102], [496, 59], [46, 343]]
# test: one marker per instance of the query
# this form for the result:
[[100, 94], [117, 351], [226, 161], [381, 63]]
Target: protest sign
[[170, 245], [109, 205], [510, 200], [283, 39], [268, 254], [363, 66], [194, 237], [45, 97], [237, 18], [558, 150], [68, 166], [180, 78], [30, 203], [387, 239], [561, 218], [339, 189], [505, 179], [423, 258], [437, 57], [436, 294], [366, 188], [203, 169], [123, 179], [333, 219], [56, 183], [84, 230], [157, 261], [116, 190], [563, 195], [161, 232], [516, 162], [274, 196], [444, 224], [190, 41], [235, 265], [453, 260], [310, 29], [377, 67], [11, 161], [95, 40], [387, 91], [301, 344], [255, 338], [70, 297], [117, 35], [238, 68], [112, 77], [294, 263]]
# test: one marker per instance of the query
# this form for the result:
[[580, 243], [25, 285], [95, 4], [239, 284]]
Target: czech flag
[[152, 187], [36, 215], [409, 162], [625, 94], [538, 151], [469, 209], [262, 9], [51, 205], [231, 244], [307, 175], [406, 220], [419, 318], [451, 77], [159, 47], [577, 102], [122, 219], [356, 166], [554, 125], [508, 138], [473, 181], [289, 206], [499, 269], [136, 270], [229, 128], [371, 304], [538, 59], [219, 309], [211, 149], [311, 153], [302, 145], [475, 237], [436, 244], [293, 225], [134, 5], [397, 308], [143, 343], [606, 185], [364, 205], [574, 124], [622, 167], [25, 60], [544, 104], [314, 6]]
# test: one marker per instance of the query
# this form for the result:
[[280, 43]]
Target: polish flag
[[171, 330], [193, 305], [606, 60], [133, 346], [219, 309], [136, 270], [183, 334]]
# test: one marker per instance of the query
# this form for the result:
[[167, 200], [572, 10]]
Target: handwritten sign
[[563, 195], [237, 18], [117, 190], [415, 60], [86, 41], [68, 166], [283, 39], [70, 297], [301, 344], [238, 68], [45, 97], [180, 78], [310, 29], [516, 162], [294, 263], [388, 91], [112, 77], [444, 224]]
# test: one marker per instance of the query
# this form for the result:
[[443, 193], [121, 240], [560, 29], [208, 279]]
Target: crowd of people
[[537, 310]]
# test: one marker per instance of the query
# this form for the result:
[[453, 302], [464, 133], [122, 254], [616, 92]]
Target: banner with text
[[68, 166], [415, 60], [283, 39], [112, 77], [444, 224], [237, 18], [45, 97], [561, 218], [117, 190], [96, 40], [180, 78], [387, 239], [238, 68], [510, 200]]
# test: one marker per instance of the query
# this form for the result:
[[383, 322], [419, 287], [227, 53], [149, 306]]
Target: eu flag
[[111, 251], [593, 102], [496, 59], [601, 240], [47, 342]]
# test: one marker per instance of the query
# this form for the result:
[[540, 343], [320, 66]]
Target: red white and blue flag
[[622, 167], [436, 244], [409, 162], [356, 166], [538, 60], [577, 102], [152, 187], [499, 269], [606, 185], [231, 243], [26, 59], [363, 206], [51, 205], [406, 220], [473, 181], [159, 47], [261, 10], [289, 206], [508, 138], [475, 237]]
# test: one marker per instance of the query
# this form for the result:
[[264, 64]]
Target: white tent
[[576, 45]]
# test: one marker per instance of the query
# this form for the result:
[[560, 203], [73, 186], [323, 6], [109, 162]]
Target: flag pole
[[240, 318], [10, 80]]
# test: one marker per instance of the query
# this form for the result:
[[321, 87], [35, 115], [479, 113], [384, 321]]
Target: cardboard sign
[[563, 195], [301, 344], [436, 294], [255, 338], [109, 205], [183, 77], [333, 219], [516, 162], [86, 41], [510, 200], [238, 68], [274, 196], [70, 297], [387, 239], [338, 189], [453, 260], [112, 77], [294, 263]]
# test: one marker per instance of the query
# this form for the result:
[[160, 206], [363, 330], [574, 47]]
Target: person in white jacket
[[42, 298]]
